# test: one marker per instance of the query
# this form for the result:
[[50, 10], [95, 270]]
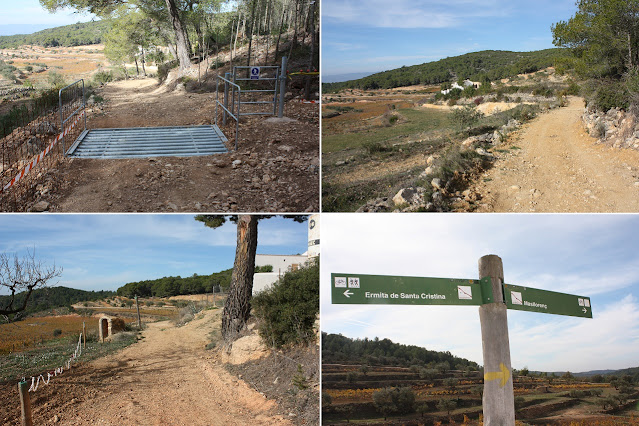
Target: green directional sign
[[547, 302], [398, 290]]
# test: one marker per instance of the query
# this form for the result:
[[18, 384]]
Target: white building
[[467, 83], [282, 263]]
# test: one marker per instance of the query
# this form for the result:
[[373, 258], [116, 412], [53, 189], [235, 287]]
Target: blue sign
[[255, 73]]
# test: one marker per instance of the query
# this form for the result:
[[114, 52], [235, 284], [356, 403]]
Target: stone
[[436, 183], [406, 196], [430, 160], [172, 206], [40, 206], [483, 152]]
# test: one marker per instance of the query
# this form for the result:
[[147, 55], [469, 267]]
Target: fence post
[[137, 306], [283, 78], [84, 334], [25, 403], [227, 76], [498, 400]]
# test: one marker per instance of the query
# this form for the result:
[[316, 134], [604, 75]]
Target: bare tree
[[20, 276]]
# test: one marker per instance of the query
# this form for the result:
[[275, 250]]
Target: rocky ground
[[275, 169]]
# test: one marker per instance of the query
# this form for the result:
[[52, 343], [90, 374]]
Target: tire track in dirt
[[560, 168], [167, 378]]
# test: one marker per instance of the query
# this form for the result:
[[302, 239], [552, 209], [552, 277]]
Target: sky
[[104, 252], [588, 255], [377, 35], [28, 16]]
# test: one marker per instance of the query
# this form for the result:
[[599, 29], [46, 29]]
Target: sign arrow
[[502, 375], [585, 310], [348, 294]]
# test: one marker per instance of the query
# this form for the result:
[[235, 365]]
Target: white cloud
[[410, 14]]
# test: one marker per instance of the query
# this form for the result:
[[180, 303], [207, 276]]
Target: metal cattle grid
[[144, 142]]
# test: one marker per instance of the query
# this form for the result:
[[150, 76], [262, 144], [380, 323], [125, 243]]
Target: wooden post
[[25, 403], [498, 400], [84, 334], [137, 306]]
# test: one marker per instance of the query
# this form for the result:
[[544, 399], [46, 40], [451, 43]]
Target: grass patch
[[55, 353], [416, 121]]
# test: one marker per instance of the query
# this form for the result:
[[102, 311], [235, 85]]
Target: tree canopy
[[602, 36]]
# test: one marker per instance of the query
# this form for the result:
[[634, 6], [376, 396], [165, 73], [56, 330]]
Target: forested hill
[[477, 66], [69, 35], [337, 349], [173, 286], [46, 298]]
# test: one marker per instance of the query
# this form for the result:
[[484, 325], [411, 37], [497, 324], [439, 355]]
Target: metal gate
[[259, 86], [72, 102]]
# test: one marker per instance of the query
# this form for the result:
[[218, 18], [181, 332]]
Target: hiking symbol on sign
[[255, 73]]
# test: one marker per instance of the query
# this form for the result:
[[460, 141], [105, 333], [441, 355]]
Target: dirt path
[[167, 378], [276, 165], [560, 168]]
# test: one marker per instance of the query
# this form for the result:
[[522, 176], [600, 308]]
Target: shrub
[[57, 332], [287, 311], [611, 95], [375, 147], [399, 400], [56, 80], [478, 101], [103, 77], [465, 117], [265, 268]]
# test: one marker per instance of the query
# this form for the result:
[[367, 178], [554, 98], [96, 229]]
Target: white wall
[[280, 263]]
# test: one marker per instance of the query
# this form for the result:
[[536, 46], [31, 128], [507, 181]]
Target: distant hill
[[338, 349], [174, 286], [336, 78], [69, 35], [55, 297], [490, 64]]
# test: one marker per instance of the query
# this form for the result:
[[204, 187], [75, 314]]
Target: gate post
[[25, 403], [283, 78], [498, 400], [227, 76]]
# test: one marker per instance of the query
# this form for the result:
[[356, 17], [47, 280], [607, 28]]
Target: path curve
[[167, 378], [560, 168]]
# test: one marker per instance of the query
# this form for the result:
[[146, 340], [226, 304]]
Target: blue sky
[[27, 16], [378, 35], [590, 255], [104, 252]]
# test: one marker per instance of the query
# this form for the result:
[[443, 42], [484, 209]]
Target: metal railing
[[72, 101], [228, 85]]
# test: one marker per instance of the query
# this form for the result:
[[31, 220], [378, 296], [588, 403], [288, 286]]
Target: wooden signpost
[[493, 297]]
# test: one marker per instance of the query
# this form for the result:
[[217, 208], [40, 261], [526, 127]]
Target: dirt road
[[168, 378], [560, 168], [275, 169]]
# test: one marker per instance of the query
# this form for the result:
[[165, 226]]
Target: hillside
[[174, 286], [477, 66], [55, 297], [338, 349], [79, 34]]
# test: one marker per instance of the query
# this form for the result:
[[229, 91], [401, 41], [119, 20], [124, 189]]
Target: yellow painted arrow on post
[[502, 375]]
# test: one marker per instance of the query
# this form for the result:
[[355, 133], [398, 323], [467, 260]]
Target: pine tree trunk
[[238, 304], [250, 36], [181, 38]]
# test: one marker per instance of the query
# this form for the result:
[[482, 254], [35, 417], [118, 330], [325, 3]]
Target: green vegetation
[[69, 35], [173, 286], [265, 268], [603, 39], [338, 349], [488, 65], [398, 400], [47, 298], [55, 353], [6, 70], [287, 311], [415, 121]]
